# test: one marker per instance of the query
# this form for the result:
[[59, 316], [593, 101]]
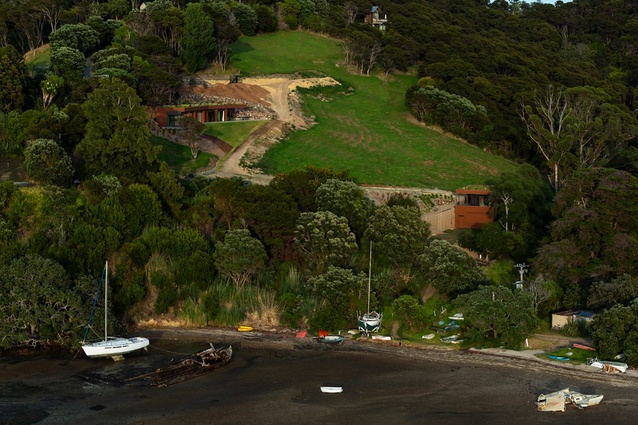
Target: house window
[[173, 119]]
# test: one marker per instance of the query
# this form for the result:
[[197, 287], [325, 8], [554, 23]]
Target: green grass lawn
[[233, 132], [179, 157], [368, 132], [41, 62]]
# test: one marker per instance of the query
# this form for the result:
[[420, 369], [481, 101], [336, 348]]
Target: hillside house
[[472, 208], [376, 18], [168, 116]]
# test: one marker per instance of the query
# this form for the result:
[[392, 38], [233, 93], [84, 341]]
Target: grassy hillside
[[368, 132], [179, 157], [233, 132]]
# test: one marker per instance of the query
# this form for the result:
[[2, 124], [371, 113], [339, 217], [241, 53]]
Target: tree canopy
[[117, 139]]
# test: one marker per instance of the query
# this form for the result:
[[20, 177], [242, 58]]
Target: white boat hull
[[331, 390], [114, 347], [613, 366], [370, 322]]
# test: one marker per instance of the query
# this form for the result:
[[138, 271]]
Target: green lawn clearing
[[40, 62], [179, 157], [233, 132], [575, 355], [368, 130]]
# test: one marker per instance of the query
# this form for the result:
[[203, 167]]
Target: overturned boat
[[610, 367], [556, 401], [192, 367]]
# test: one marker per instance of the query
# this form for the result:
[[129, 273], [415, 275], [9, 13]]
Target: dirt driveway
[[279, 94]]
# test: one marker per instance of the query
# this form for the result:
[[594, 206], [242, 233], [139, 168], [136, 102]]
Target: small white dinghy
[[382, 337], [331, 390]]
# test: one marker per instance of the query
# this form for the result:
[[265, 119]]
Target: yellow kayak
[[245, 328]]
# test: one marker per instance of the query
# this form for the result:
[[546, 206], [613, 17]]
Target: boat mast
[[369, 276], [106, 300]]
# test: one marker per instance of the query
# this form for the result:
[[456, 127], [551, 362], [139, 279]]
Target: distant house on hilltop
[[374, 18]]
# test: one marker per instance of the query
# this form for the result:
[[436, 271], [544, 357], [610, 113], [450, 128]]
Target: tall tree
[[68, 63], [398, 233], [595, 232], [449, 269], [40, 304], [191, 133], [545, 122], [324, 239], [348, 200], [495, 316], [13, 79], [47, 163], [117, 137], [198, 41], [239, 256], [598, 129]]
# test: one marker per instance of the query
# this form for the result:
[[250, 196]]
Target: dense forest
[[552, 87]]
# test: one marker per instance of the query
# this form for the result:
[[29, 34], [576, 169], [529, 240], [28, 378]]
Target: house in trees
[[563, 318], [168, 116], [472, 208], [376, 18]]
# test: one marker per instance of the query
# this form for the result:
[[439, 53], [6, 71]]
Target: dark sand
[[274, 379]]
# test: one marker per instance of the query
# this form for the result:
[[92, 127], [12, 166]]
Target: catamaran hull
[[114, 347]]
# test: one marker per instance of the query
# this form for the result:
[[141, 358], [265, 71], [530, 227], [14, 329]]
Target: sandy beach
[[276, 378]]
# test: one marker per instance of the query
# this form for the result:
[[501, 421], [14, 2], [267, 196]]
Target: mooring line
[[168, 351]]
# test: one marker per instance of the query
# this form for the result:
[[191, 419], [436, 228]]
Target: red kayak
[[584, 347]]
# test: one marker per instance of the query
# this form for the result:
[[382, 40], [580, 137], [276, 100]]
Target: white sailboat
[[114, 347], [370, 321]]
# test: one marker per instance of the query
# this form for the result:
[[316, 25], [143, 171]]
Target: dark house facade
[[168, 116]]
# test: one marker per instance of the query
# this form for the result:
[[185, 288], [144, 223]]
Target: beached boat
[[556, 401], [370, 321], [584, 400], [193, 366], [561, 358], [584, 347], [382, 337], [113, 347], [331, 390], [607, 366], [452, 339], [330, 339], [245, 329]]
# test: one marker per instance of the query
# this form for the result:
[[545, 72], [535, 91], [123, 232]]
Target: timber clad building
[[472, 209], [168, 116]]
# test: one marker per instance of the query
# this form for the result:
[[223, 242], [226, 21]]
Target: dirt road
[[284, 102]]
